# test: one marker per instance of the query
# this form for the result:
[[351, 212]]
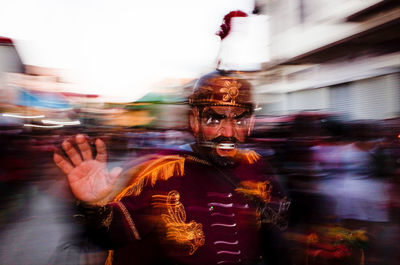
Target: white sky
[[118, 47]]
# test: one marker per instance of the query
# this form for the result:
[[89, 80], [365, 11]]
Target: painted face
[[220, 128]]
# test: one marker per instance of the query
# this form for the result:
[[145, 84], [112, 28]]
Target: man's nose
[[227, 129]]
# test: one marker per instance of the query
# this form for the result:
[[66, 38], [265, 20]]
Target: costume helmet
[[221, 88]]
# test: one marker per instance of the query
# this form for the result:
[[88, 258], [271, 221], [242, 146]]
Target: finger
[[84, 146], [62, 163], [73, 155], [101, 151]]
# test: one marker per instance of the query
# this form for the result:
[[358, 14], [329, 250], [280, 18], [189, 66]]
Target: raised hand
[[88, 178]]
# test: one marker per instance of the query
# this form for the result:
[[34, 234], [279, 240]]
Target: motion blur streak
[[327, 119]]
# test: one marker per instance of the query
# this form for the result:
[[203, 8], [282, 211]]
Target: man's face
[[221, 128]]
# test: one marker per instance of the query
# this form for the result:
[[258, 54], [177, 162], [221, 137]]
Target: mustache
[[221, 139]]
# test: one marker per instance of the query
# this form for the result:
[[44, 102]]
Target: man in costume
[[212, 203]]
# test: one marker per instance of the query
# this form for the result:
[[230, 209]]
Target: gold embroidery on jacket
[[107, 221], [258, 189], [189, 234]]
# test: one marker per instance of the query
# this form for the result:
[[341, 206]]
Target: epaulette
[[159, 168], [248, 156], [259, 189]]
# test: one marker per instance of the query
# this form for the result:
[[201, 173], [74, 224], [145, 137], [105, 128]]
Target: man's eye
[[212, 121], [241, 122]]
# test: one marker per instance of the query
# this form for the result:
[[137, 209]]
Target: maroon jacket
[[198, 214]]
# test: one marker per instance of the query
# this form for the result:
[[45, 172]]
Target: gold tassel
[[110, 257], [160, 168], [362, 261]]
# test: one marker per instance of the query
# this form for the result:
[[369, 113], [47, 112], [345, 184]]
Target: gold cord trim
[[198, 160], [129, 220], [215, 102]]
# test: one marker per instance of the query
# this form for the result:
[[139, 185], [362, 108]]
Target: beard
[[208, 149]]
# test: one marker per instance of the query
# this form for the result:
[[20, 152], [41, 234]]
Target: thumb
[[114, 174]]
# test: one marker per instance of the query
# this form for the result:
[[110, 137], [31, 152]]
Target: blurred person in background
[[348, 168], [353, 199], [211, 203]]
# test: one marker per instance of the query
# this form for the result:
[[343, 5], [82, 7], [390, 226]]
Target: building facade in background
[[338, 56]]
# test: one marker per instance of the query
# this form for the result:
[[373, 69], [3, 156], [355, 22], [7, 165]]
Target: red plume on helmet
[[226, 26]]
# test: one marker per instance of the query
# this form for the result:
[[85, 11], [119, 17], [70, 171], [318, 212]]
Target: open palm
[[88, 177]]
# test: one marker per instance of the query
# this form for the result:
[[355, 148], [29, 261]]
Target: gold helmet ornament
[[220, 88]]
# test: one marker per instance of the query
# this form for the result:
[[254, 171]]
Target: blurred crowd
[[342, 178]]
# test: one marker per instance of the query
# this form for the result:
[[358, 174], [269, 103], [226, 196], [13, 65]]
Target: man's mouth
[[226, 149], [226, 146]]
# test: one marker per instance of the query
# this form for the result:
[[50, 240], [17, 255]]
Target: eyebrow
[[211, 112], [243, 114]]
